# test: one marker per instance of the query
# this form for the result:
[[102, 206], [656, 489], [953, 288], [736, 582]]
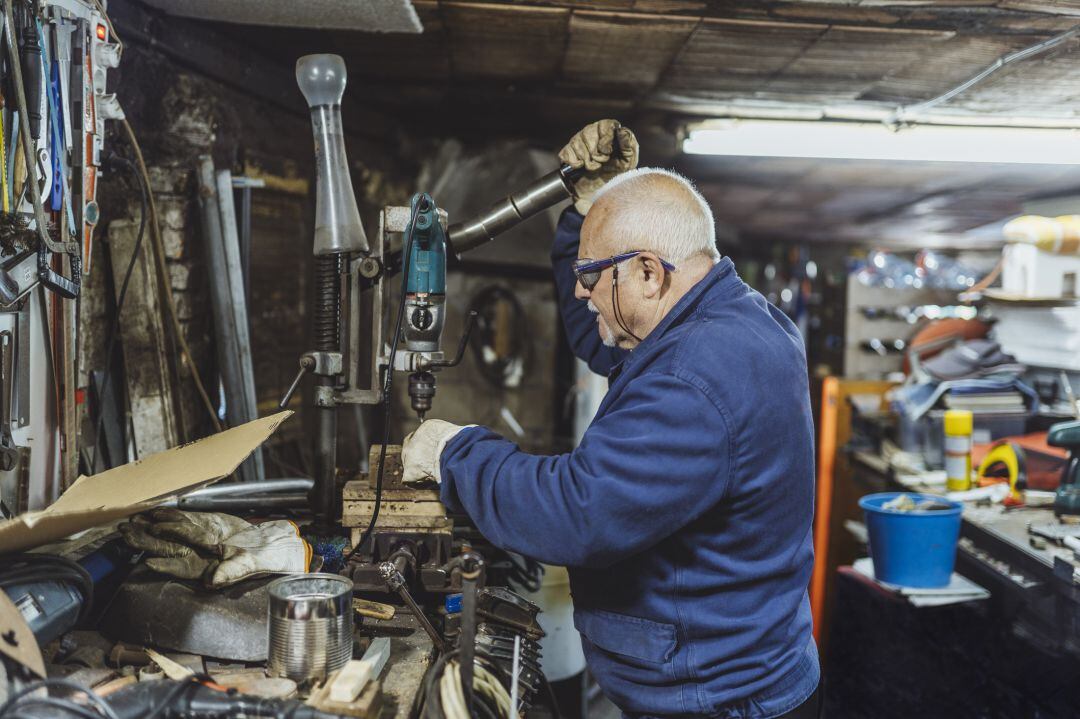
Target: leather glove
[[168, 532], [216, 548], [594, 148], [422, 449]]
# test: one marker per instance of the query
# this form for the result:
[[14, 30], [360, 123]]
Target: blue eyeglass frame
[[585, 267]]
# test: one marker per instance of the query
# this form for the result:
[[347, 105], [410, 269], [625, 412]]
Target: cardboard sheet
[[136, 487]]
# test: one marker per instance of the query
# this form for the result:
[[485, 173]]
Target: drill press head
[[425, 298], [425, 290]]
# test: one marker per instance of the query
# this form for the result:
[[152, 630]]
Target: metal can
[[310, 627]]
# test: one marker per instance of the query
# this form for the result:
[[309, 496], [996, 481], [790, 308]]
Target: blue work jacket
[[684, 516]]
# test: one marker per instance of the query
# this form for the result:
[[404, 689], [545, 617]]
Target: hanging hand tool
[[9, 453], [30, 52], [63, 286]]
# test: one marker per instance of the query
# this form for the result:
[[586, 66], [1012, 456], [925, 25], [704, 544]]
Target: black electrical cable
[[71, 686], [616, 308], [170, 698], [53, 704], [29, 568], [550, 692], [114, 326], [389, 380]]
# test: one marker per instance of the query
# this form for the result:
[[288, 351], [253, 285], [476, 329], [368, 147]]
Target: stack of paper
[[959, 590], [986, 402], [1039, 336]]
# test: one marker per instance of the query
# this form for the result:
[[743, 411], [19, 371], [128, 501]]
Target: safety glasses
[[588, 271]]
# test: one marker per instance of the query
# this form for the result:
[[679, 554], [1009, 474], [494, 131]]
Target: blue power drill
[[425, 304]]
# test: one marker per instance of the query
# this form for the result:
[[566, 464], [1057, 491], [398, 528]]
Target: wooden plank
[[954, 62], [492, 41], [623, 50], [362, 490], [844, 63], [150, 385], [725, 57]]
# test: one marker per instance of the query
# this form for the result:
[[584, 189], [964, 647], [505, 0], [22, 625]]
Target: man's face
[[601, 297]]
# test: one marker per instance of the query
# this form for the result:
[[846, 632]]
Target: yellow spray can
[[959, 424]]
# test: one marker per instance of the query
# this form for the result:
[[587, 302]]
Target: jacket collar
[[716, 283]]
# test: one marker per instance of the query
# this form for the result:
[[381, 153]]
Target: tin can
[[310, 626]]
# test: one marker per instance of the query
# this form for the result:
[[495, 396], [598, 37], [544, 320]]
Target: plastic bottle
[[958, 427]]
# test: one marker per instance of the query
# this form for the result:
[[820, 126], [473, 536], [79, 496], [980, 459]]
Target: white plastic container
[[1031, 272]]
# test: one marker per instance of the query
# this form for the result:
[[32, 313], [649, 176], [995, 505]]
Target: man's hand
[[421, 451], [603, 156]]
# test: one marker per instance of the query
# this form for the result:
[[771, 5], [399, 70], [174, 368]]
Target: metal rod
[[240, 489], [396, 582], [325, 487], [470, 576], [227, 503]]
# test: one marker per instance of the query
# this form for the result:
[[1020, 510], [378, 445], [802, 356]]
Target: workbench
[[1036, 587]]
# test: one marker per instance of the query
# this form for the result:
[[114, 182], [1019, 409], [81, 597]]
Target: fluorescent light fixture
[[875, 141]]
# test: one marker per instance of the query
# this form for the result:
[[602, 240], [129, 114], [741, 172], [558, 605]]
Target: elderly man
[[684, 516]]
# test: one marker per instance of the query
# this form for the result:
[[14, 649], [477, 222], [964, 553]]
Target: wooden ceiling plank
[[519, 42], [622, 50]]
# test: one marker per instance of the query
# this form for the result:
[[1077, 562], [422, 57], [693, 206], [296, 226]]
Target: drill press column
[[338, 234]]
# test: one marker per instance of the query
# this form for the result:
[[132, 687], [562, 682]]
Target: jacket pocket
[[640, 639]]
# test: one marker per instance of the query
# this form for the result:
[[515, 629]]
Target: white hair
[[659, 211]]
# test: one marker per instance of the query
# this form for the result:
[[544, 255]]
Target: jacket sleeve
[[648, 467], [579, 322]]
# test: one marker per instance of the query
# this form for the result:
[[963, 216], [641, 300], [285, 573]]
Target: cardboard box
[[136, 487]]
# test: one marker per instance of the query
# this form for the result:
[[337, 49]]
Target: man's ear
[[652, 274]]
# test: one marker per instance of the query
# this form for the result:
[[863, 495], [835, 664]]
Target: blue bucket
[[912, 549]]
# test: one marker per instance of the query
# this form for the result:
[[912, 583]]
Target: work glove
[[422, 449], [168, 532], [603, 156], [216, 548]]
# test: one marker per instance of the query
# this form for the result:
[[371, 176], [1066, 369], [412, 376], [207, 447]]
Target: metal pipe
[[225, 503], [550, 189], [239, 489], [323, 501]]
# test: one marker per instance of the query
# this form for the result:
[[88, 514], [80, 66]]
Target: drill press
[[351, 361]]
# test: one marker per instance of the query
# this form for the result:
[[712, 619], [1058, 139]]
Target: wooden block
[[349, 681], [368, 704], [360, 489], [392, 469]]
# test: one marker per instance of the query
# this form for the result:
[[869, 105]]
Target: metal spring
[[328, 302]]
